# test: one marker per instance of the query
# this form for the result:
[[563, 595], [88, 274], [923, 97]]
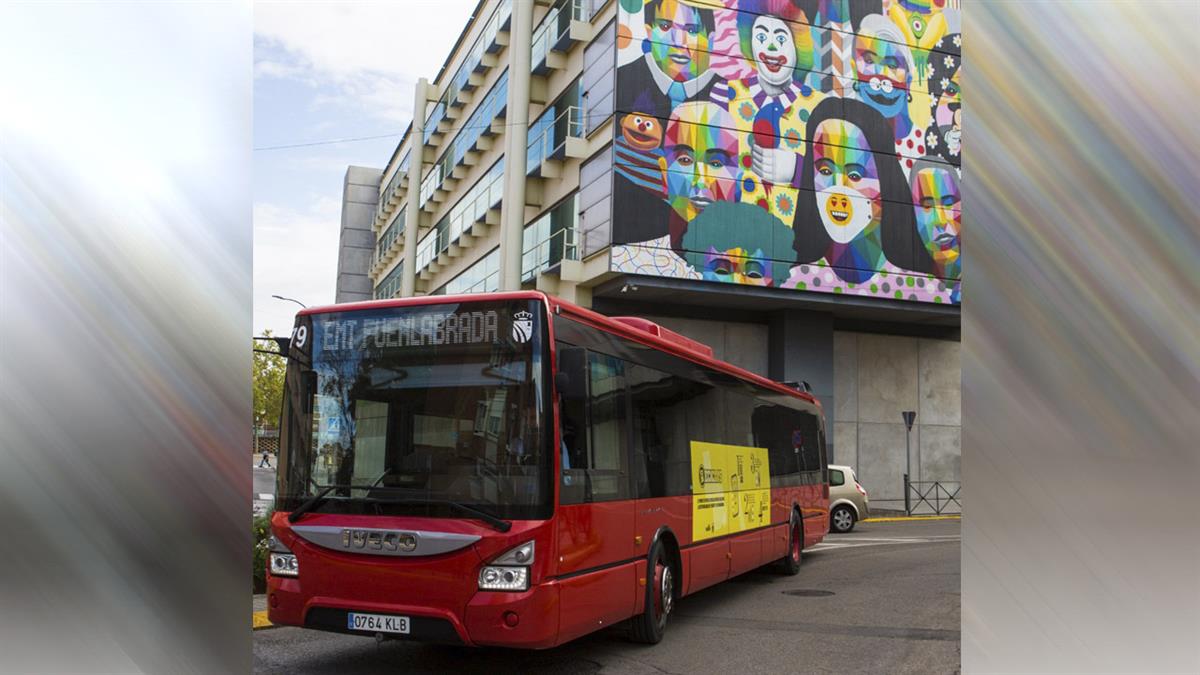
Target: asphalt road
[[882, 599]]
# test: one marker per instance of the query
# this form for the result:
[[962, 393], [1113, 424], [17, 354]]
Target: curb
[[901, 519], [260, 621]]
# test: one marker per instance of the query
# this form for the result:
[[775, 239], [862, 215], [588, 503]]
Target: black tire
[[789, 564], [841, 519], [649, 626]]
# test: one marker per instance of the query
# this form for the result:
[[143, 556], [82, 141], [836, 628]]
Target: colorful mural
[[812, 145]]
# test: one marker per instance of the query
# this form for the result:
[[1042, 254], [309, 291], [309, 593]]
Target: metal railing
[[559, 246], [932, 497], [554, 26], [547, 143]]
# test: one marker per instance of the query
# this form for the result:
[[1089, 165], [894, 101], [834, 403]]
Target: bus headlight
[[498, 578], [510, 571], [282, 561]]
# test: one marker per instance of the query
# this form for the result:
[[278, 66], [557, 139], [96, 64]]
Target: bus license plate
[[377, 623]]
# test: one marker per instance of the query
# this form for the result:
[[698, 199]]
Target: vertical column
[[412, 213], [800, 347], [516, 138]]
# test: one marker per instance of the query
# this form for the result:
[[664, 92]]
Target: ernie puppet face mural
[[746, 155]]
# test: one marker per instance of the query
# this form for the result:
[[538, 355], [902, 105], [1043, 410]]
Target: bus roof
[[559, 306]]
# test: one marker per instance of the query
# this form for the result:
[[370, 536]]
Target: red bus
[[512, 469]]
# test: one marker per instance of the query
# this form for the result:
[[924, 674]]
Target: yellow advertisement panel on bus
[[731, 489]]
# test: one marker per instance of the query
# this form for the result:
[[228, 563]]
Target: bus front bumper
[[527, 619]]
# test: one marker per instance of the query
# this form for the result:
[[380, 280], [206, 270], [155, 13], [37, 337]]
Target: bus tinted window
[[661, 438], [608, 469]]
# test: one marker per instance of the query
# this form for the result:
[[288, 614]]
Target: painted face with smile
[[883, 75], [701, 154], [938, 204], [679, 40], [774, 50], [846, 181]]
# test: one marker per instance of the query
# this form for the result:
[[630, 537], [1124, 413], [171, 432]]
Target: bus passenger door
[[595, 513]]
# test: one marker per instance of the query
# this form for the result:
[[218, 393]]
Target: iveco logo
[[379, 540]]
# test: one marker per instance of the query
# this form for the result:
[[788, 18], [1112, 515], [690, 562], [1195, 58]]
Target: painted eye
[[887, 86], [637, 120], [854, 175], [917, 24], [824, 171], [684, 160], [720, 266], [649, 125], [716, 164], [762, 37], [779, 39], [693, 28], [664, 25]]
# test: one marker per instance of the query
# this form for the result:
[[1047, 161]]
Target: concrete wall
[[356, 245], [742, 344], [876, 377]]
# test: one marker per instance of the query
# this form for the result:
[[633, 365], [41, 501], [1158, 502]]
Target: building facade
[[779, 179]]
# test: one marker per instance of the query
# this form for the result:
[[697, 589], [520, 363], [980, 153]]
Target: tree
[[268, 384]]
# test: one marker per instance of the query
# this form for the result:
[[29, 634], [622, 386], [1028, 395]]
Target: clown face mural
[[774, 50], [678, 37], [937, 201], [700, 150]]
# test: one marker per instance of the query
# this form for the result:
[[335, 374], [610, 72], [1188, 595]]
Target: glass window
[[836, 478], [608, 469], [662, 448], [405, 410]]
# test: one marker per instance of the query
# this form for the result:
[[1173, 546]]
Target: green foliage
[[268, 384], [262, 531]]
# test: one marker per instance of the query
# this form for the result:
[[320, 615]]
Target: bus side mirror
[[561, 381], [285, 345]]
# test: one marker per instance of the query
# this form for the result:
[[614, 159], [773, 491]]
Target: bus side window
[[661, 454], [571, 383], [608, 423]]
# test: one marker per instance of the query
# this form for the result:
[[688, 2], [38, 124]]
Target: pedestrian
[[266, 459]]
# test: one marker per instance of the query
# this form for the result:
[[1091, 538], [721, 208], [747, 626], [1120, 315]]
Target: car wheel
[[790, 563], [841, 519], [650, 626]]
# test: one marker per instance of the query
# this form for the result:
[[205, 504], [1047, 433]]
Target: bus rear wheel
[[790, 563], [651, 624]]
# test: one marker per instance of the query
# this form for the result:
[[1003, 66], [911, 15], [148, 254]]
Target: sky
[[327, 71]]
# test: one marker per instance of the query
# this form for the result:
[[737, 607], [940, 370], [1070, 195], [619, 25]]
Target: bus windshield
[[420, 410]]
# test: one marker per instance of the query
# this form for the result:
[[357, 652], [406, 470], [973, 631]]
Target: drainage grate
[[808, 593]]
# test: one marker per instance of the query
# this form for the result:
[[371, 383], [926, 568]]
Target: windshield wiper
[[310, 504], [314, 501], [498, 523]]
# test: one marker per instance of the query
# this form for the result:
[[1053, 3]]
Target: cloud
[[295, 255], [368, 53]]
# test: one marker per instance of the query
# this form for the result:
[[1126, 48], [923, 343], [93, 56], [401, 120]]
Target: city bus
[[511, 469]]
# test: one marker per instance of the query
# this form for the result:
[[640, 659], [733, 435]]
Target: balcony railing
[[554, 32], [550, 251], [388, 192], [551, 142]]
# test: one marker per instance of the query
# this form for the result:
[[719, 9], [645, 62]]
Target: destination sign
[[415, 330]]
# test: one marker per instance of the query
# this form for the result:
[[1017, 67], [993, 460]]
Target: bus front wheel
[[651, 624], [790, 563]]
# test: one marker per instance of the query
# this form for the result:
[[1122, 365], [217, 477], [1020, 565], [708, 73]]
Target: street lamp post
[[280, 297], [909, 416]]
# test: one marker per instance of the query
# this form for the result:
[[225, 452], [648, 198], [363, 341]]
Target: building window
[[550, 239], [390, 285], [548, 134], [482, 277]]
